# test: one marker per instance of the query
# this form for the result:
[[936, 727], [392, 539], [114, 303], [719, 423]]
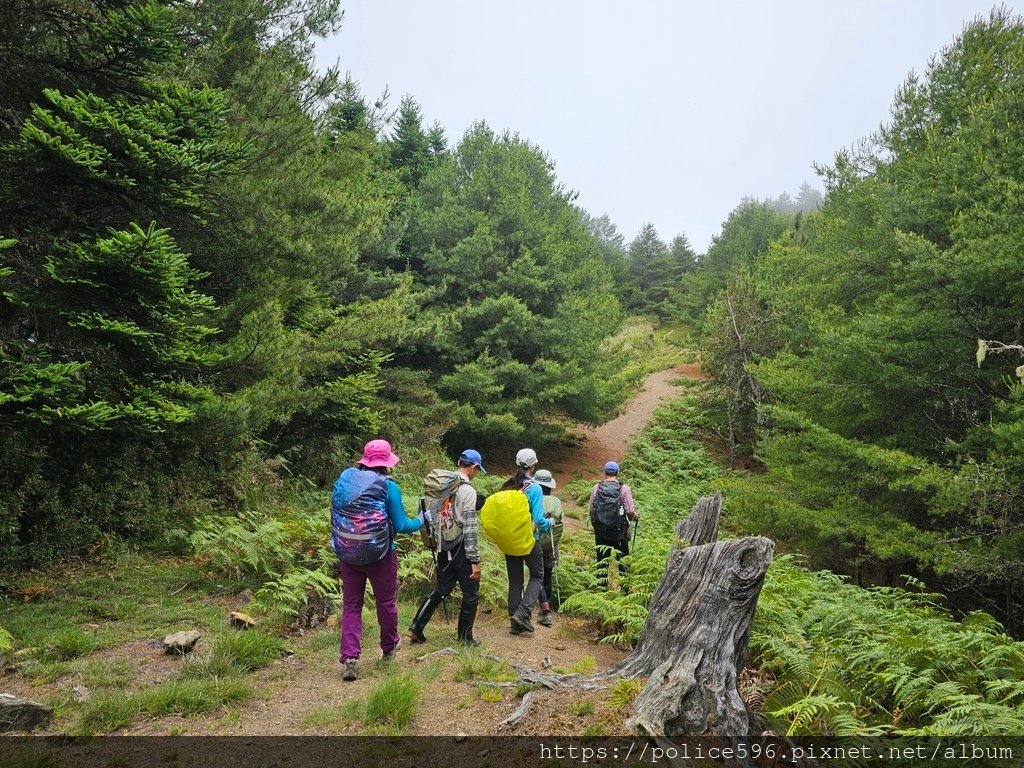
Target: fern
[[846, 660]]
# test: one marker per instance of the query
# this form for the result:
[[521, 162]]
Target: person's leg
[[447, 574], [602, 547], [545, 589], [470, 598], [514, 568], [353, 586], [623, 547], [535, 564], [383, 577]]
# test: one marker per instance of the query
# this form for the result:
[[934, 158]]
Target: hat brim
[[390, 461], [546, 483]]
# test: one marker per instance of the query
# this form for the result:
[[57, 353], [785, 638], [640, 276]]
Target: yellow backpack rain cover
[[506, 520]]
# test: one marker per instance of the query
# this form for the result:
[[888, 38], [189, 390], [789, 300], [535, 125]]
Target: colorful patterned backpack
[[360, 527]]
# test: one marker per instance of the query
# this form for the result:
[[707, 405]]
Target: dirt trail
[[303, 693], [610, 440]]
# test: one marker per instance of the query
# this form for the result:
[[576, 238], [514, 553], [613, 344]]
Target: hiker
[[366, 514], [548, 544], [611, 510], [458, 556], [522, 600]]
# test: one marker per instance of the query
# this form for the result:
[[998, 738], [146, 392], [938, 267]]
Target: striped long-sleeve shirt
[[464, 507]]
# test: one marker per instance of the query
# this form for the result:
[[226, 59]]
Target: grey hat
[[526, 458], [544, 477]]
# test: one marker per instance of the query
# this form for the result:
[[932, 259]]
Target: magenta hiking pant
[[383, 578]]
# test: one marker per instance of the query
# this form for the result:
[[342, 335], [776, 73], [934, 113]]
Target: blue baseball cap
[[611, 468], [469, 456]]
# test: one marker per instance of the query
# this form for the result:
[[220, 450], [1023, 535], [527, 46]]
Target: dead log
[[694, 641], [701, 525]]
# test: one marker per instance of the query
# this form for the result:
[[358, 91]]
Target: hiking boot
[[515, 630], [415, 636], [349, 670], [390, 655], [545, 619], [522, 624], [423, 614], [467, 616]]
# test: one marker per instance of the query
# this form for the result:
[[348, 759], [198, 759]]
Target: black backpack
[[606, 513]]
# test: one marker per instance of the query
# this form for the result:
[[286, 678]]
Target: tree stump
[[694, 641]]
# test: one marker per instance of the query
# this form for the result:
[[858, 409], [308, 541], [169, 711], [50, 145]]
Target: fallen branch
[[446, 651], [519, 714], [179, 589]]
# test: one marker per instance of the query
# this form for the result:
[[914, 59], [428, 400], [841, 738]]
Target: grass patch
[[192, 697], [107, 673], [490, 694], [330, 717], [574, 512], [524, 688], [233, 653], [107, 712], [594, 729], [622, 693], [432, 670], [68, 643], [391, 705], [324, 640], [584, 666], [479, 668], [44, 674], [131, 595], [249, 650], [31, 760], [582, 708]]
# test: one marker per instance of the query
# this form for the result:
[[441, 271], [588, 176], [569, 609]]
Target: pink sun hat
[[378, 453]]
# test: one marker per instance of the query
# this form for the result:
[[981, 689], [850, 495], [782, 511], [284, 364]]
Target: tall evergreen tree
[[410, 146]]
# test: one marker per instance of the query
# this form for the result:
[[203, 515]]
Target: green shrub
[[286, 547]]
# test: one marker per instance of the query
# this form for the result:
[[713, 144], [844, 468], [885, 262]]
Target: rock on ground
[[181, 642], [22, 714]]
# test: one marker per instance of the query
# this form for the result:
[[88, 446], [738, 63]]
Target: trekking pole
[[554, 567], [632, 541]]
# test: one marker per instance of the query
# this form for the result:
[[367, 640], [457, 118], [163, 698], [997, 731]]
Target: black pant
[[549, 557], [453, 568], [604, 544], [519, 600]]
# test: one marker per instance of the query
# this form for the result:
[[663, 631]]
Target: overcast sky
[[667, 112]]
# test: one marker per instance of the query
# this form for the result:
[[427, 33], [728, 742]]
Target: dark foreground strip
[[496, 752]]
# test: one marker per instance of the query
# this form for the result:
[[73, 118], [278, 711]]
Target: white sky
[[667, 112]]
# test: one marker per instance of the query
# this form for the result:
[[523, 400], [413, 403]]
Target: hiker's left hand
[[474, 573]]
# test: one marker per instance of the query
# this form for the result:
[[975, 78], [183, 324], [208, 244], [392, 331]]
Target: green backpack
[[552, 510], [445, 529]]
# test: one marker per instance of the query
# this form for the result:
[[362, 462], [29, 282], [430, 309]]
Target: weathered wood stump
[[694, 641]]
